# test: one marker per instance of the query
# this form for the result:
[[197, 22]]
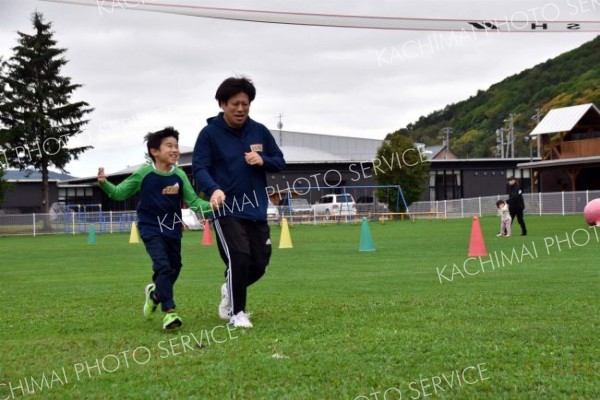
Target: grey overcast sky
[[142, 71]]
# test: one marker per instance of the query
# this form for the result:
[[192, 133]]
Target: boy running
[[163, 188]]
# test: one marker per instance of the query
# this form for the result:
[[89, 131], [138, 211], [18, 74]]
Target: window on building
[[445, 185], [523, 177], [75, 195]]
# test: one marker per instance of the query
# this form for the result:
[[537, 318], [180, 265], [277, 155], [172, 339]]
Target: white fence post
[[540, 201], [462, 208], [587, 196], [111, 221], [73, 222], [33, 224], [563, 202], [479, 206]]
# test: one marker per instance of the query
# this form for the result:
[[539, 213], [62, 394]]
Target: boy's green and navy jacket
[[161, 196]]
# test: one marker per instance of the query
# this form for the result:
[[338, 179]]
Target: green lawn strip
[[330, 322]]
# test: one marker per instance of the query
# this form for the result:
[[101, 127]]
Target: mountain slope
[[569, 79]]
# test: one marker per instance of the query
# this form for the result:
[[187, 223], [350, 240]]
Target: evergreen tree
[[37, 119], [4, 186]]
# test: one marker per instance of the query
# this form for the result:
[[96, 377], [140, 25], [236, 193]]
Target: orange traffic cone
[[206, 235], [476, 244]]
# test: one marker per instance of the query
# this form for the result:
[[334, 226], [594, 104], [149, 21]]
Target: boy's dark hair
[[499, 202], [154, 139], [232, 86]]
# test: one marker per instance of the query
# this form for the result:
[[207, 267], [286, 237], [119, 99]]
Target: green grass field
[[330, 322]]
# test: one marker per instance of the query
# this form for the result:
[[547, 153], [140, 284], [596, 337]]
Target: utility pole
[[500, 142], [279, 126], [447, 131], [537, 117], [510, 142]]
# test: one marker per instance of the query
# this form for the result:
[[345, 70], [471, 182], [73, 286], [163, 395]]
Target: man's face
[[511, 182], [236, 109]]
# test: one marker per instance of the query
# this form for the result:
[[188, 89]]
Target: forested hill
[[569, 79]]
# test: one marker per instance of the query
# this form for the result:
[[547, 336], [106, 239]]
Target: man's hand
[[217, 199], [253, 158], [101, 176]]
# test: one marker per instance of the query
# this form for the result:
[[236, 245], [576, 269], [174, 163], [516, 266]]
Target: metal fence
[[553, 203], [66, 223]]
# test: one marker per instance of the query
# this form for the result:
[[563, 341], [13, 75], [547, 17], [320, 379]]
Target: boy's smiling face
[[168, 153]]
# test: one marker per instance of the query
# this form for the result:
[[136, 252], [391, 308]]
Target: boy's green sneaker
[[171, 321], [149, 305]]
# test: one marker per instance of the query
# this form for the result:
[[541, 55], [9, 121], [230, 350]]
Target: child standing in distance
[[163, 188], [505, 219]]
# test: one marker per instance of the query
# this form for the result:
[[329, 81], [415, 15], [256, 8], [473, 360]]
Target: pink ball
[[591, 212]]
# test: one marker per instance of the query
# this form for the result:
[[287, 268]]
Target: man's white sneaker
[[241, 320], [225, 305]]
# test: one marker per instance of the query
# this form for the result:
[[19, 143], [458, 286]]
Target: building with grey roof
[[25, 193], [317, 164]]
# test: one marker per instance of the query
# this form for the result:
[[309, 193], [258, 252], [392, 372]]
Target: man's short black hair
[[235, 85], [154, 139]]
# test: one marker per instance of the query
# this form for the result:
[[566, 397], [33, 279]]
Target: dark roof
[[562, 162], [33, 176], [479, 160]]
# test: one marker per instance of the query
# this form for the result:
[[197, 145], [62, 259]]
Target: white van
[[332, 205]]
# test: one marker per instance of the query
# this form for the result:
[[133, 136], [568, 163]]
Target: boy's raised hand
[[101, 175]]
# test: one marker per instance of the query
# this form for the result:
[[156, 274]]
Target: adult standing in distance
[[231, 156], [516, 204]]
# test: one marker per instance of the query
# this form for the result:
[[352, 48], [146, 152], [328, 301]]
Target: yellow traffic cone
[[285, 241], [134, 236]]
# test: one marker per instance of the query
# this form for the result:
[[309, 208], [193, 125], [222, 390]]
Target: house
[[451, 179], [569, 144], [319, 164], [25, 194], [441, 152]]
